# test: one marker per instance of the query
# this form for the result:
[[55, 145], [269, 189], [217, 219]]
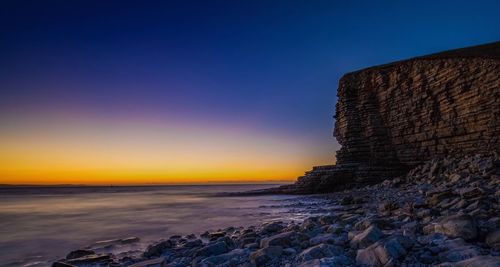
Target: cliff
[[392, 117]]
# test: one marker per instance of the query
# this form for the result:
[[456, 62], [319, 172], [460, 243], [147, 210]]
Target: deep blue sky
[[268, 65]]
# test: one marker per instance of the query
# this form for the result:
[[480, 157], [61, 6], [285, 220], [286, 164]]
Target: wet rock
[[286, 239], [61, 264], [193, 243], [157, 249], [216, 235], [232, 258], [369, 236], [319, 251], [130, 240], [91, 259], [265, 255], [273, 227], [216, 248], [462, 226], [79, 253], [158, 262]]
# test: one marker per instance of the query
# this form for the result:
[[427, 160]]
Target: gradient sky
[[196, 91]]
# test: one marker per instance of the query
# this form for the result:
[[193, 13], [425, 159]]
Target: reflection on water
[[42, 224]]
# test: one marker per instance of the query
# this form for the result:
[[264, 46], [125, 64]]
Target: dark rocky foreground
[[442, 213]]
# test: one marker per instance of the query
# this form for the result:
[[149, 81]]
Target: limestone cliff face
[[392, 117]]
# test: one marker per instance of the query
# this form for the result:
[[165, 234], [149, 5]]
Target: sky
[[139, 92]]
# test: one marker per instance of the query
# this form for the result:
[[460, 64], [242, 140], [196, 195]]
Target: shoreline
[[444, 212]]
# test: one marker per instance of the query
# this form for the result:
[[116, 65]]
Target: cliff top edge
[[483, 51]]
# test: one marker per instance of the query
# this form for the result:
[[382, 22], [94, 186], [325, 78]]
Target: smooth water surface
[[41, 224]]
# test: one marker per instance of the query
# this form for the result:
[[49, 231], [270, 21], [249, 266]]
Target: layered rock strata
[[393, 117]]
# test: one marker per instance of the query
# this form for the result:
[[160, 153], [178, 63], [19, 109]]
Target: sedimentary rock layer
[[393, 117]]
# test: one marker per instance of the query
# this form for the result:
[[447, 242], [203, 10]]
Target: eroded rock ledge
[[391, 118]]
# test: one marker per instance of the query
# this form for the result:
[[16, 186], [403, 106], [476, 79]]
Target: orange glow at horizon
[[66, 150]]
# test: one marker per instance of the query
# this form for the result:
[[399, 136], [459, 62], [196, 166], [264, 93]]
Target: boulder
[[157, 249], [462, 226], [232, 258], [384, 251], [336, 261], [265, 255], [319, 251], [216, 248], [369, 236], [286, 239], [158, 262], [272, 227]]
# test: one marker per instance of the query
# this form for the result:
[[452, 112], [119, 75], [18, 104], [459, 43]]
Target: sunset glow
[[77, 150]]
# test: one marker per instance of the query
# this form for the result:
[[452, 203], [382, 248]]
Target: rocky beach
[[442, 213], [416, 182]]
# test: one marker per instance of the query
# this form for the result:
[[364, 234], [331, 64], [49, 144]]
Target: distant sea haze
[[41, 224]]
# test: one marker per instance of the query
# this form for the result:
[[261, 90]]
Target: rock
[[493, 239], [286, 239], [289, 251], [130, 240], [477, 261], [265, 255], [369, 236], [158, 262], [319, 251], [327, 219], [457, 250], [157, 249], [471, 192], [215, 235], [79, 253], [347, 200], [336, 261], [273, 227], [435, 198], [387, 206], [462, 226], [193, 243], [385, 251], [232, 258], [216, 248], [335, 229], [91, 259], [310, 223], [61, 264]]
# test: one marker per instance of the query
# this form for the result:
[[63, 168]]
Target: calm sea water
[[41, 224]]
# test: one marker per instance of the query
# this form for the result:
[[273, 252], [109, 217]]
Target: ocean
[[41, 224]]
